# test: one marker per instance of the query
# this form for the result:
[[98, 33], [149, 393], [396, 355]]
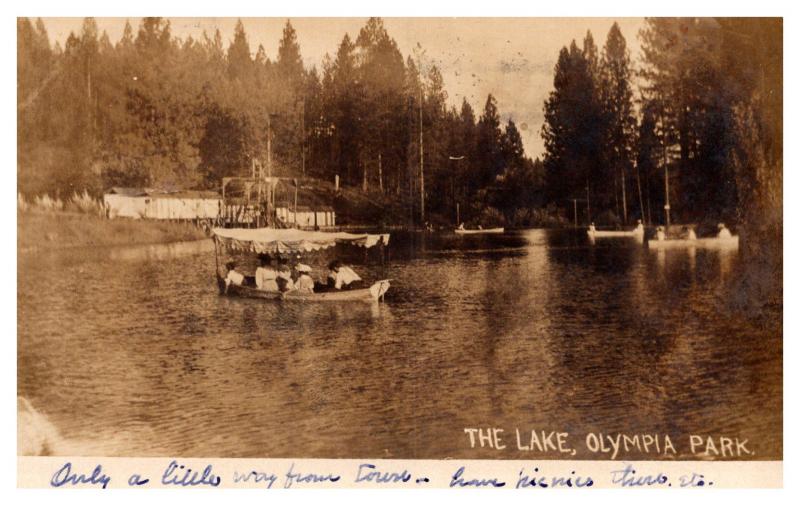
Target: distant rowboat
[[637, 232], [705, 243], [461, 231]]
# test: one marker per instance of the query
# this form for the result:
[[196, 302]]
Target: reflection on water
[[155, 252], [131, 351]]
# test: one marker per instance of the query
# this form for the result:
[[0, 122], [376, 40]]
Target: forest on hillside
[[701, 111], [154, 110]]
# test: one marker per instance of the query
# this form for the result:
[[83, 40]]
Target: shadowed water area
[[132, 351]]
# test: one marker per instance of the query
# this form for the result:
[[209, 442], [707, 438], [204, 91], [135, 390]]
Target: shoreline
[[59, 230], [37, 231]]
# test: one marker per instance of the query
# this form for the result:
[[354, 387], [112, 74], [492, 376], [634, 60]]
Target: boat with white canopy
[[293, 241]]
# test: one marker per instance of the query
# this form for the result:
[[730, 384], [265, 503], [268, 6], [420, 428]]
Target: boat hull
[[704, 243], [615, 234], [371, 294], [477, 232]]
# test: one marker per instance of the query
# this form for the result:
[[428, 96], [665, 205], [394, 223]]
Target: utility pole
[[666, 187], [641, 200], [295, 203], [575, 211], [421, 161], [380, 173], [588, 208], [269, 145], [421, 148], [303, 138], [666, 164], [666, 180], [453, 190], [624, 199], [270, 196]]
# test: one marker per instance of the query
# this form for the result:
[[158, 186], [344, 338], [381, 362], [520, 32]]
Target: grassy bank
[[58, 230]]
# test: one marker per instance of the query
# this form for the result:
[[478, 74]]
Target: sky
[[511, 58]]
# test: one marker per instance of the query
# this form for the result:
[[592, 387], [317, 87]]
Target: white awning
[[272, 240]]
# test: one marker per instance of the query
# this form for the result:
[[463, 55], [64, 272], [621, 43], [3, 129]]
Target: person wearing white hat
[[304, 282], [723, 231]]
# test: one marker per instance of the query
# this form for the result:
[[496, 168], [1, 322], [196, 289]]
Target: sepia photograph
[[432, 238]]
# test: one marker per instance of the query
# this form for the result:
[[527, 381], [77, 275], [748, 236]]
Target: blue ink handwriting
[[64, 476], [459, 481], [367, 473], [627, 478], [190, 477], [526, 481], [309, 478], [257, 477]]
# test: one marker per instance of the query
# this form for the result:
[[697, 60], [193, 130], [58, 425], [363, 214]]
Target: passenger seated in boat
[[639, 227], [688, 233], [592, 229], [232, 277], [723, 231], [304, 282], [341, 276], [461, 226], [284, 279], [266, 276], [660, 235]]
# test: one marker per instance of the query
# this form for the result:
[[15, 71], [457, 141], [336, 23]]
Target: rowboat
[[291, 241], [638, 232], [373, 293], [729, 243], [461, 231]]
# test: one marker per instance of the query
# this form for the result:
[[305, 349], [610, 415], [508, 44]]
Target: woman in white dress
[[266, 275]]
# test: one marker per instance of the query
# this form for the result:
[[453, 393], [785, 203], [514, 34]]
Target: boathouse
[[148, 203]]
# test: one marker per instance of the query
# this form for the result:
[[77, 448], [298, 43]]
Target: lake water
[[131, 351]]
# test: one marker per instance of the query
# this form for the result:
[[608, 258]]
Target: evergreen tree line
[[705, 129], [155, 110]]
